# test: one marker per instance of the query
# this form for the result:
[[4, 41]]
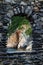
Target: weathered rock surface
[[28, 58]]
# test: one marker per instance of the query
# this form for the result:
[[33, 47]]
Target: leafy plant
[[16, 22]]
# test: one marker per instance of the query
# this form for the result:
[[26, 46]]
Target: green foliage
[[17, 21], [29, 31]]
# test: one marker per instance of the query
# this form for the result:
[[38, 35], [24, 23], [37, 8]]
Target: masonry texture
[[34, 11]]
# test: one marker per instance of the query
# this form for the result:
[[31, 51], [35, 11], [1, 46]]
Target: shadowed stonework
[[34, 12]]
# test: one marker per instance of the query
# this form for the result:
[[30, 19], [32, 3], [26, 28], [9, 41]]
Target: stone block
[[10, 13], [15, 11], [28, 10]]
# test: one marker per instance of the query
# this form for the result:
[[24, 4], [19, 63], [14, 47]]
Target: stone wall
[[22, 0], [24, 58]]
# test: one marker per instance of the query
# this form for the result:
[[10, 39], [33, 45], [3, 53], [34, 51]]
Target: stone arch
[[28, 12], [19, 10], [23, 57]]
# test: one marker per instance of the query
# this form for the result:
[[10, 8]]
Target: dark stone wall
[[24, 58]]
